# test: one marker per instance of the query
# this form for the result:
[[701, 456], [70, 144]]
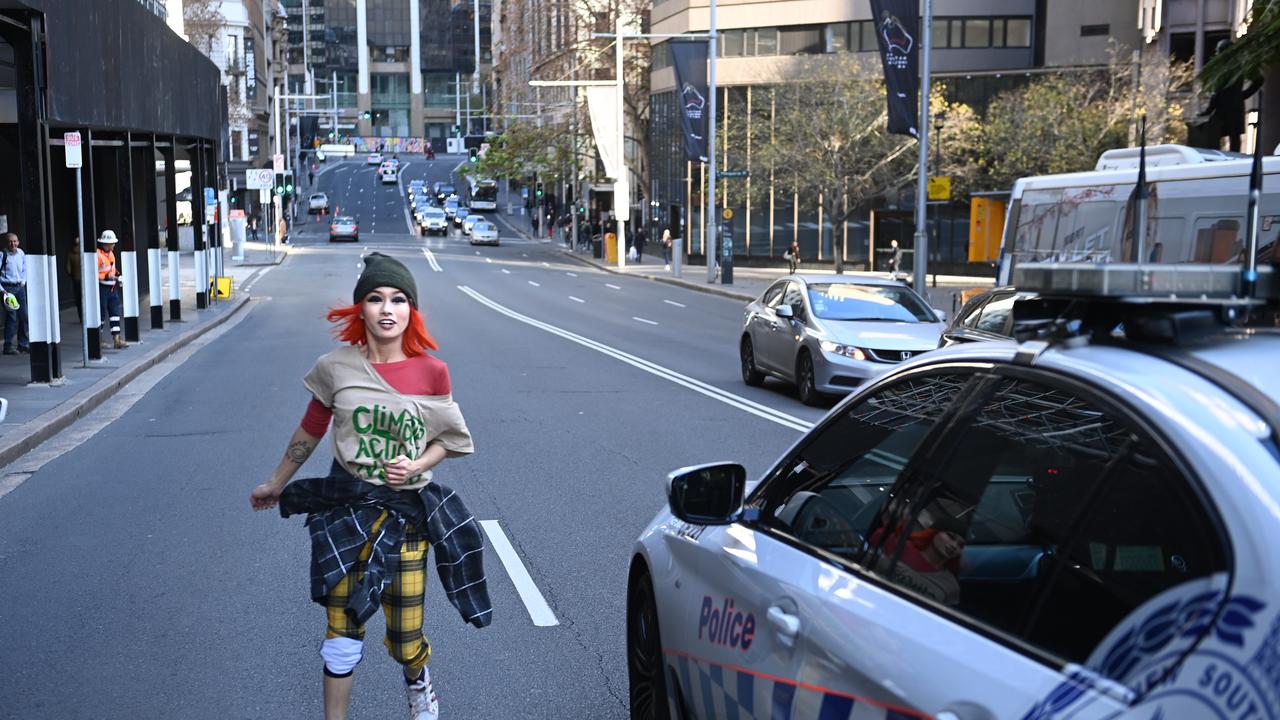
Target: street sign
[[727, 213], [277, 163], [259, 178], [940, 187], [732, 173], [73, 150]]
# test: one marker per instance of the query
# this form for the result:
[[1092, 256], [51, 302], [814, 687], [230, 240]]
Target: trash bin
[[597, 247]]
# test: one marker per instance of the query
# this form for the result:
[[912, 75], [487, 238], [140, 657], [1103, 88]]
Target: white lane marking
[[249, 285], [673, 302], [715, 393], [506, 271], [532, 598], [571, 274], [576, 299], [640, 319], [611, 285], [477, 252], [488, 260], [546, 264], [524, 254], [431, 260], [534, 284]]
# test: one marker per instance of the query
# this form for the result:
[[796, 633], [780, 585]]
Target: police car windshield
[[871, 303]]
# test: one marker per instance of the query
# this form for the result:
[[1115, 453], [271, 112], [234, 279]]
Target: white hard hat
[[108, 238]]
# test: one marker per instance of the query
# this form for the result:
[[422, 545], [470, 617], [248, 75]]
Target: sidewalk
[[944, 291], [39, 411]]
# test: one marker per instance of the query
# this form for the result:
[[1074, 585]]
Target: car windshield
[[318, 196], [483, 227], [446, 189], [880, 303], [463, 212], [435, 212], [343, 221]]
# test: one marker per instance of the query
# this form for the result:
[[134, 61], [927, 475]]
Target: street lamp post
[[921, 259]]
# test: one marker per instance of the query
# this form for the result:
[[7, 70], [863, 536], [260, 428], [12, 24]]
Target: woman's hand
[[265, 496], [401, 470]]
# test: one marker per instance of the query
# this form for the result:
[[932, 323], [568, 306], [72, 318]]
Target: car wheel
[[806, 384], [645, 667], [746, 352]]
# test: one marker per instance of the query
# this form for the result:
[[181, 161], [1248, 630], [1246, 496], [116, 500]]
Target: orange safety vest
[[106, 267]]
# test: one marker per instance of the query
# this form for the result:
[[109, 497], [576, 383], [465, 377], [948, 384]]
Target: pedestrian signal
[[472, 158]]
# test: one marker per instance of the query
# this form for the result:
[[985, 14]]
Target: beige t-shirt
[[373, 424]]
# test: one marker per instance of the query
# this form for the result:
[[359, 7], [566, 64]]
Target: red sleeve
[[316, 421], [421, 375], [436, 376]]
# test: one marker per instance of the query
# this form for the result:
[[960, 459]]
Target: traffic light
[[538, 190], [582, 209], [280, 183], [366, 115], [288, 184], [457, 131], [472, 156]]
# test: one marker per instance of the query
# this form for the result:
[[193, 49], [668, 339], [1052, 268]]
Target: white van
[[388, 173], [1196, 209]]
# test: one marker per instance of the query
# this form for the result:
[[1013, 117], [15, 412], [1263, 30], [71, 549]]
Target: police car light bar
[[1144, 282]]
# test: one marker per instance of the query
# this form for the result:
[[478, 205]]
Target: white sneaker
[[422, 698]]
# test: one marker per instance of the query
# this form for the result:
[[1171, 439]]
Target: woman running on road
[[374, 516]]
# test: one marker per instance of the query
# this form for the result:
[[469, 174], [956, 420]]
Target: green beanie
[[384, 271]]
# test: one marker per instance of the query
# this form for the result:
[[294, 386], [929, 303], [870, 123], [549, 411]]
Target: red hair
[[350, 329], [921, 539]]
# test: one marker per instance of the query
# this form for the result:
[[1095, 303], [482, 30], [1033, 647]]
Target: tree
[[828, 140], [202, 20], [1253, 57], [1062, 122]]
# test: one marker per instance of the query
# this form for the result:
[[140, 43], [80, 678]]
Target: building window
[[977, 33], [1017, 33], [767, 41], [870, 43], [801, 40], [838, 38], [731, 43], [938, 32], [660, 56], [1095, 30]]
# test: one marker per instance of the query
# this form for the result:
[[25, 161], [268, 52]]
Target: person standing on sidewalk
[[666, 248], [895, 259], [793, 257], [13, 280], [372, 519], [641, 239], [109, 286]]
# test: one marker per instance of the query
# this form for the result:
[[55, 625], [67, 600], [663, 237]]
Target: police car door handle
[[785, 624]]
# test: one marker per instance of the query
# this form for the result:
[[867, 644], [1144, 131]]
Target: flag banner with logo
[[690, 61], [897, 31], [602, 106]]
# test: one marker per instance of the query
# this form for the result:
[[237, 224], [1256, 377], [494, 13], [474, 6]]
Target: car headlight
[[848, 351]]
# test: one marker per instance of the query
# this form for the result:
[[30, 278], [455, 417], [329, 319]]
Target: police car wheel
[[806, 386], [644, 653], [746, 352]]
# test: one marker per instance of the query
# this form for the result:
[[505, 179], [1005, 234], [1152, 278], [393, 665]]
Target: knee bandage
[[341, 655]]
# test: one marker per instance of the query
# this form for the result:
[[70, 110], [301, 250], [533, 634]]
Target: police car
[[1080, 523]]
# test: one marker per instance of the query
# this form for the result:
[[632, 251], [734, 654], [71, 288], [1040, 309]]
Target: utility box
[[986, 229]]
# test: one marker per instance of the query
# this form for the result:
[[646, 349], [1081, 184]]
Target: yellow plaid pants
[[402, 602]]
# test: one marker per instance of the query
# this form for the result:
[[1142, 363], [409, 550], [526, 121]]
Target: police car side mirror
[[707, 494], [784, 311]]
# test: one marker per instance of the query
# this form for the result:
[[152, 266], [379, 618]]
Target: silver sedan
[[830, 333]]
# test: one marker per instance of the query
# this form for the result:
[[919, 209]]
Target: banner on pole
[[602, 106], [897, 32], [690, 61]]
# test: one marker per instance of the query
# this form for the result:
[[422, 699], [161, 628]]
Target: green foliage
[[1251, 55]]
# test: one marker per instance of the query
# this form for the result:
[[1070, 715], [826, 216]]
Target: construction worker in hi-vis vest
[[109, 286]]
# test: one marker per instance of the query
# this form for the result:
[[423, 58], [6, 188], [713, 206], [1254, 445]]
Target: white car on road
[[374, 159], [484, 233], [469, 221], [1083, 526], [433, 221], [318, 203]]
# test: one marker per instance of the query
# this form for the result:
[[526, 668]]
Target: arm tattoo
[[299, 452]]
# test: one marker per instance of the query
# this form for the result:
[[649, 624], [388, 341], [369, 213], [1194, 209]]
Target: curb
[[36, 431], [282, 253], [709, 289]]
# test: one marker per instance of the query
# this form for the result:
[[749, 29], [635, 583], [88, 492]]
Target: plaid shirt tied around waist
[[342, 512]]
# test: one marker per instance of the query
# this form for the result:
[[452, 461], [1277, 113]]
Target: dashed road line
[[534, 284], [611, 285], [488, 260], [673, 302], [506, 271], [571, 274], [576, 299], [640, 319], [532, 598], [710, 391]]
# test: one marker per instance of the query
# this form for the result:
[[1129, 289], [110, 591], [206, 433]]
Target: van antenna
[[1249, 270], [1140, 195]]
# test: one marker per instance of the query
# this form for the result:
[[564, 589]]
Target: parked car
[[831, 333], [344, 227], [318, 203], [1081, 526], [374, 159], [433, 221], [484, 233], [986, 316], [469, 221]]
